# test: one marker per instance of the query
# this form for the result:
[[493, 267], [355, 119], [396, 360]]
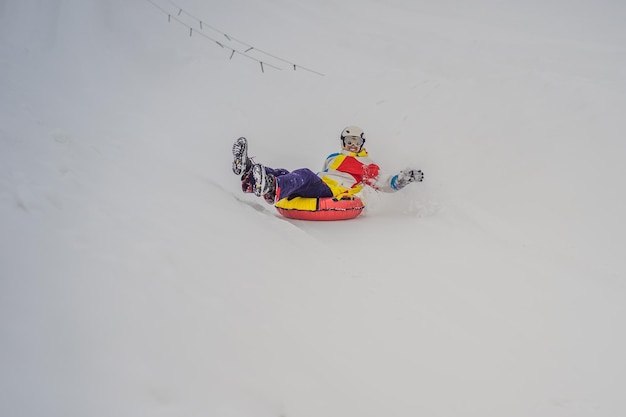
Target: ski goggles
[[353, 141]]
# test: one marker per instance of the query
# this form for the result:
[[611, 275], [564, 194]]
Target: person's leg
[[242, 165], [247, 180], [299, 183], [302, 183]]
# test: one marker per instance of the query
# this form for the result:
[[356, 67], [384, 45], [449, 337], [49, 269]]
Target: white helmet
[[353, 132]]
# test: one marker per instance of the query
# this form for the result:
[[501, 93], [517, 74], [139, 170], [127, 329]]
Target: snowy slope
[[136, 278]]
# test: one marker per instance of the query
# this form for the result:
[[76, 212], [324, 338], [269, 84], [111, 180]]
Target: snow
[[137, 279]]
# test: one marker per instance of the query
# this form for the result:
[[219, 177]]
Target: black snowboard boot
[[241, 163], [264, 183]]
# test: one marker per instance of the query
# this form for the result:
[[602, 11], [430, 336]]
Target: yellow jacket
[[346, 173]]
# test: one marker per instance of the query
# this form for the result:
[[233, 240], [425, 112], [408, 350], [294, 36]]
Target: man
[[344, 173]]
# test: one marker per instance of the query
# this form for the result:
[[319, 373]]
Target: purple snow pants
[[299, 183]]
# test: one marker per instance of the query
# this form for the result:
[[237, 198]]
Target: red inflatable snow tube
[[320, 209]]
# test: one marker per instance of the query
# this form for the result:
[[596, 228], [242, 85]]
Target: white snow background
[[137, 280]]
